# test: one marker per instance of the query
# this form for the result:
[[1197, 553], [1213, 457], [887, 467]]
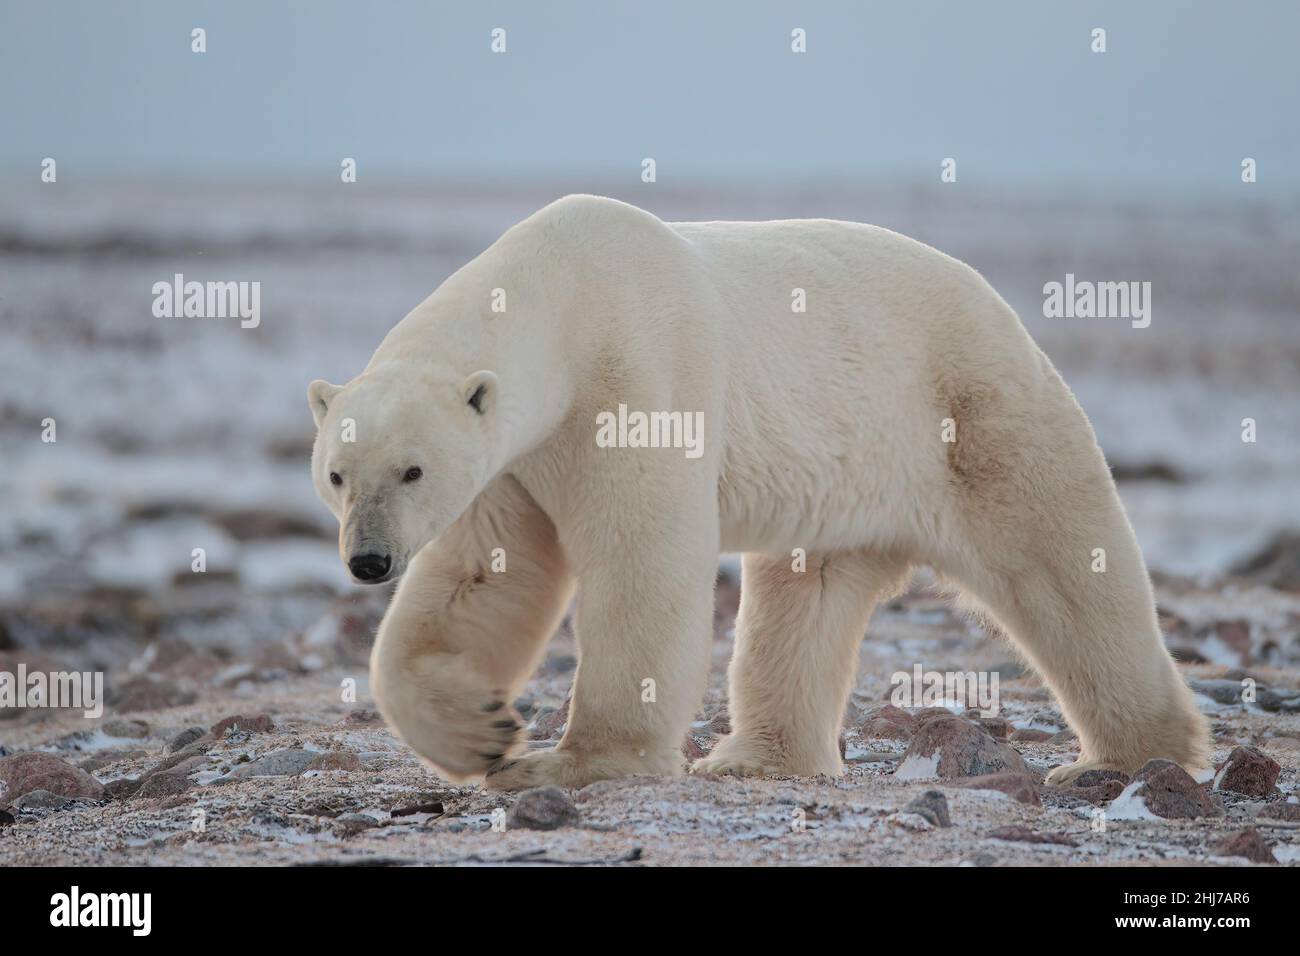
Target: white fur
[[822, 431]]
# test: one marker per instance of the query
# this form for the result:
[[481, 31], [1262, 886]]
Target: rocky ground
[[204, 760]]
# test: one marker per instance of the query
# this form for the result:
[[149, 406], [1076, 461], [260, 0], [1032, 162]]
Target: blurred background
[[176, 434]]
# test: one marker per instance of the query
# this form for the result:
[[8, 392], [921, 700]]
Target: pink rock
[[1249, 771], [999, 728], [259, 724], [1030, 736], [887, 723], [548, 726], [1018, 786], [958, 748], [691, 749], [336, 760], [1169, 791], [23, 773], [1248, 843], [1019, 834]]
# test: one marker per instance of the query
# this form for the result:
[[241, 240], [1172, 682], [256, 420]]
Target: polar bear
[[902, 417]]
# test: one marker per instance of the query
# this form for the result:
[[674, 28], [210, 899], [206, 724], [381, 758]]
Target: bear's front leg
[[461, 636], [644, 626]]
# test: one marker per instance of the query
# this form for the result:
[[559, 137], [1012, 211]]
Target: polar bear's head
[[398, 458]]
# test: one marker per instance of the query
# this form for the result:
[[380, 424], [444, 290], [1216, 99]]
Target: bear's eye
[[335, 478], [412, 474]]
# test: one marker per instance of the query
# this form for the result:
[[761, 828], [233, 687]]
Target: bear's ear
[[480, 390], [319, 395]]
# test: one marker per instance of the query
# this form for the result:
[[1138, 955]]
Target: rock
[[1248, 771], [165, 784], [107, 757], [1021, 787], [360, 717], [1164, 789], [949, 746], [336, 760], [542, 808], [549, 722], [1276, 564], [184, 739], [1101, 778], [41, 800], [277, 763], [999, 728], [1278, 701], [887, 723], [692, 750], [23, 773], [149, 693], [356, 821], [1102, 793], [720, 723], [1248, 843], [525, 706], [259, 724], [6, 818], [129, 729], [1282, 811], [1019, 834], [1226, 692], [932, 805], [186, 753], [435, 807], [1029, 735], [123, 789]]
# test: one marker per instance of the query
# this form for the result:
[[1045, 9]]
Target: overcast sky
[[711, 90]]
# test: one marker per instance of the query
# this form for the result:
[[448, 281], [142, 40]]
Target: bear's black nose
[[369, 567]]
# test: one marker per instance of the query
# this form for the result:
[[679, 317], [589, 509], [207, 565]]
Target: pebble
[[41, 800], [887, 723], [549, 722], [356, 821], [1029, 735], [1289, 812], [1248, 843], [1021, 787], [123, 789], [259, 724], [277, 763], [542, 808], [165, 784], [1020, 834], [932, 805], [128, 729], [336, 760], [184, 739]]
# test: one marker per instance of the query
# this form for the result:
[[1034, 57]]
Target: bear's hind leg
[[1069, 586], [796, 656]]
